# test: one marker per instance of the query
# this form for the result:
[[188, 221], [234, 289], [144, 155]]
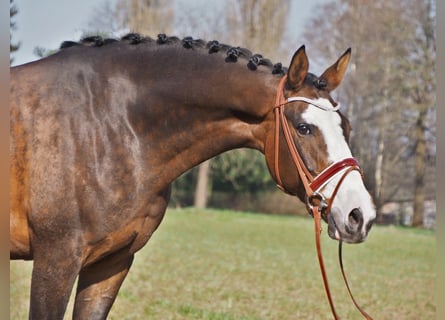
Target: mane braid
[[232, 54]]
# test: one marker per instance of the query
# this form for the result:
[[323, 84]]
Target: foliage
[[42, 52], [230, 265], [258, 25], [393, 63], [388, 92], [183, 189], [12, 25], [121, 16], [242, 170]]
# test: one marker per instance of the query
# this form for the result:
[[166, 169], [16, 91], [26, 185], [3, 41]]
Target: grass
[[213, 264]]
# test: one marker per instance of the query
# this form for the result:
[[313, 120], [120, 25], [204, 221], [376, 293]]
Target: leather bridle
[[315, 200]]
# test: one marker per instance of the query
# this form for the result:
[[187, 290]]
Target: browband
[[323, 104]]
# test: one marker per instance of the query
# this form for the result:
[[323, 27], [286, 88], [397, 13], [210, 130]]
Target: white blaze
[[329, 123], [352, 193]]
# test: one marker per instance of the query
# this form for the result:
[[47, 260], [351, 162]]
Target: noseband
[[315, 200]]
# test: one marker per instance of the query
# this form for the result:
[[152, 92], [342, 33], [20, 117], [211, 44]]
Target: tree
[[241, 171], [202, 185], [378, 92], [423, 95], [148, 17], [105, 19], [254, 24], [12, 12], [257, 24]]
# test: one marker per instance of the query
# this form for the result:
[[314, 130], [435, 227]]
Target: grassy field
[[219, 265]]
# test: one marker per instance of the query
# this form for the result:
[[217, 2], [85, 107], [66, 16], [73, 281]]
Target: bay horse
[[101, 129]]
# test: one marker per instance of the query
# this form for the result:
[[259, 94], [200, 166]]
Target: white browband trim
[[319, 103]]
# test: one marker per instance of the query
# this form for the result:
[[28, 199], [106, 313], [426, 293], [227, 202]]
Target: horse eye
[[304, 129]]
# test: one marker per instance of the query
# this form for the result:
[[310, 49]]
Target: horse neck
[[197, 108]]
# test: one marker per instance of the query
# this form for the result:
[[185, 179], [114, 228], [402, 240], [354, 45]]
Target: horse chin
[[332, 227]]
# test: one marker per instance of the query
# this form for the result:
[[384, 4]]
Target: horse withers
[[101, 129]]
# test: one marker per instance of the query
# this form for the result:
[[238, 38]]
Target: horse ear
[[298, 68], [334, 74]]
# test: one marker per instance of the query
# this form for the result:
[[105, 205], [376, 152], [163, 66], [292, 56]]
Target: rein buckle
[[317, 199]]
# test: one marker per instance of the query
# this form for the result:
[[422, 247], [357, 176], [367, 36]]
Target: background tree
[[12, 12], [422, 90], [202, 185], [147, 17], [259, 26], [105, 18], [379, 91], [388, 93]]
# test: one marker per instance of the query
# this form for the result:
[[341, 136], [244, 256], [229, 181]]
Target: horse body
[[97, 137], [83, 133]]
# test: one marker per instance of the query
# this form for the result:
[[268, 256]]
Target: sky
[[47, 23]]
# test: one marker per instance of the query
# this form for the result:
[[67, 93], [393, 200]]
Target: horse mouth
[[333, 231]]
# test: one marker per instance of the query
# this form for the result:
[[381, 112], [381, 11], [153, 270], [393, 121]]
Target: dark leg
[[98, 286], [53, 275]]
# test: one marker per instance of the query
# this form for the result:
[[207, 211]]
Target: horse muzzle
[[351, 228]]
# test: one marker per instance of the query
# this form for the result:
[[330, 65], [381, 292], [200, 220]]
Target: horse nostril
[[356, 218]]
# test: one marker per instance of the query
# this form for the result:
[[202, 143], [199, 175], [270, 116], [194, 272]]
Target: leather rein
[[315, 200]]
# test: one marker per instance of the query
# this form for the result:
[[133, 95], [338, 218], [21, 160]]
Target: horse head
[[312, 136]]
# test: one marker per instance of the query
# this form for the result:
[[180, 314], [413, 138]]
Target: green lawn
[[214, 264]]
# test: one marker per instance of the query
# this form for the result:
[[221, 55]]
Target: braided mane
[[231, 53]]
